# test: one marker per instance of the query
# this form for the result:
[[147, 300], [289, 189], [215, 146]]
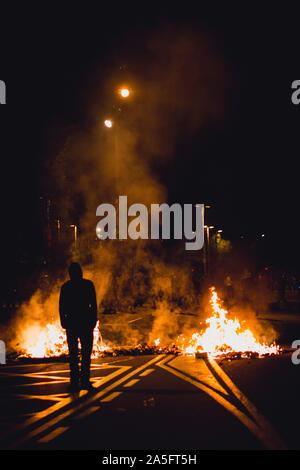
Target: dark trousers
[[86, 341]]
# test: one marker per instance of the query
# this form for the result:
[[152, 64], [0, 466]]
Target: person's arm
[[62, 310], [93, 303]]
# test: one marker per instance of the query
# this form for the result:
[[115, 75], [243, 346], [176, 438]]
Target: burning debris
[[223, 337], [51, 342]]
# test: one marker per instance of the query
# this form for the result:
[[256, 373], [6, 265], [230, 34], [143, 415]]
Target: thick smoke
[[179, 82]]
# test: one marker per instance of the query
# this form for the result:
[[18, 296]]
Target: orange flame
[[50, 341], [223, 336]]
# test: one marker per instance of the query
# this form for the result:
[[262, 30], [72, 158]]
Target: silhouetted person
[[78, 315]]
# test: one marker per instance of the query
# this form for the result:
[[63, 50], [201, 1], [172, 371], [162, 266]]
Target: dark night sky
[[248, 170]]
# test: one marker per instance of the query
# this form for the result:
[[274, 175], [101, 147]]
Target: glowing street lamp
[[108, 123], [124, 92]]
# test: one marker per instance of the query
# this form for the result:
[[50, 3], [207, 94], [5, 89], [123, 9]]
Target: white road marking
[[111, 397], [87, 412], [78, 405], [131, 383], [261, 429], [198, 370], [259, 418], [36, 397], [52, 435], [146, 372], [64, 402], [52, 379], [136, 319]]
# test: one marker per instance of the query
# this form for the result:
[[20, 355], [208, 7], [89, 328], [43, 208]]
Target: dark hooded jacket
[[77, 302]]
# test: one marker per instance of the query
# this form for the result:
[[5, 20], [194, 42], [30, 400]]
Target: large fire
[[50, 341], [222, 336]]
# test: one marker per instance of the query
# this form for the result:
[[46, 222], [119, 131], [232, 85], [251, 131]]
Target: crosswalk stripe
[[131, 383], [146, 372], [111, 396], [77, 406], [87, 412], [52, 435]]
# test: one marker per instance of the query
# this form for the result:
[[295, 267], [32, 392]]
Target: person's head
[[75, 271]]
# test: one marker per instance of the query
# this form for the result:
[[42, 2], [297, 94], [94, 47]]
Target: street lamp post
[[124, 93], [207, 251], [75, 235], [206, 244], [58, 230], [112, 124]]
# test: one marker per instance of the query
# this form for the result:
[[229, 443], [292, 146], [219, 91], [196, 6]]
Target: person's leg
[[72, 339], [86, 340]]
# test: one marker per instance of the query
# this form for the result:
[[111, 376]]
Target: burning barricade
[[223, 337]]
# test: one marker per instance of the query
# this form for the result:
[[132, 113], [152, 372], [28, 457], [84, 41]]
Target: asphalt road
[[153, 402]]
